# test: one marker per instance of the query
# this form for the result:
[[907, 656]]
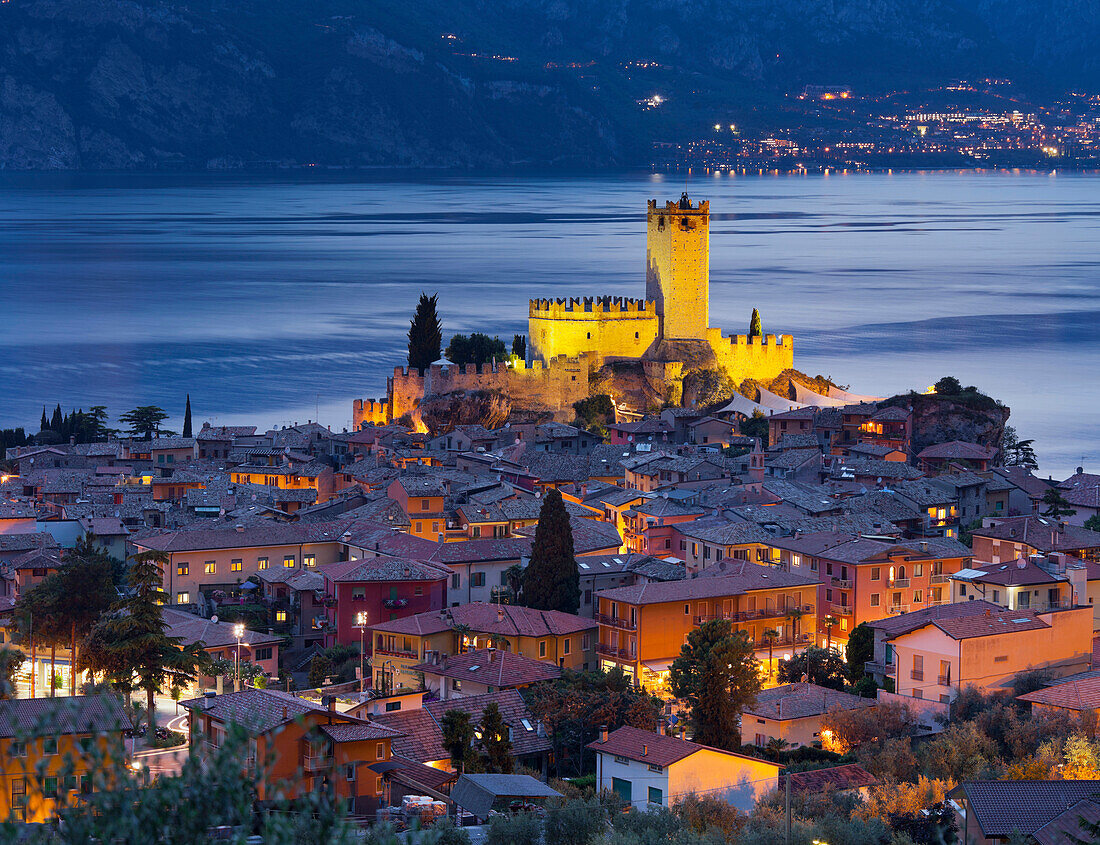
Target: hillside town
[[352, 600]]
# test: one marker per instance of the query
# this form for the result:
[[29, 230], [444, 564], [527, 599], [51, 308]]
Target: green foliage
[[494, 739], [574, 823], [824, 667], [519, 346], [425, 333], [966, 532], [594, 413], [756, 329], [573, 708], [948, 386], [708, 387], [551, 581], [1093, 522], [187, 418], [1016, 452], [717, 675], [1056, 504], [144, 421], [476, 348], [961, 752], [861, 649], [458, 739], [756, 426], [518, 829]]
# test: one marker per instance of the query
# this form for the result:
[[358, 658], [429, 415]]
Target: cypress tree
[[56, 421], [187, 418], [425, 334], [755, 327], [45, 422], [551, 581], [519, 346]]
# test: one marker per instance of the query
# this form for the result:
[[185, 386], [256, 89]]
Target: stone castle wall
[[608, 328], [760, 358], [376, 411]]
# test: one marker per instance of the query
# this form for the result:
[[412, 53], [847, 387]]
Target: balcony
[[896, 609], [610, 651], [788, 640], [843, 583], [944, 680], [939, 578], [395, 652], [917, 674], [615, 622], [841, 610], [898, 583], [316, 763], [750, 615], [879, 668]]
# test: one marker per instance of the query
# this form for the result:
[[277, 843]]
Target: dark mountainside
[[143, 84]]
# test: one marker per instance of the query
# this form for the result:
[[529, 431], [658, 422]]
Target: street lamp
[[238, 632], [361, 624]]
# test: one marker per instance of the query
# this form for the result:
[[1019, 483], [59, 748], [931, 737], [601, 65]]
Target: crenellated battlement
[[589, 307], [375, 411], [758, 340], [681, 206]]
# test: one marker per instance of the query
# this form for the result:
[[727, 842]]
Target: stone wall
[[760, 358], [609, 328], [678, 267], [375, 411]]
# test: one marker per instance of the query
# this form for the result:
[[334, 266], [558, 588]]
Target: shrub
[[575, 823], [514, 830]]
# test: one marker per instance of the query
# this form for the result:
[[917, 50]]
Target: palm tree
[[794, 616], [775, 747], [10, 661], [829, 621], [462, 633], [770, 634]]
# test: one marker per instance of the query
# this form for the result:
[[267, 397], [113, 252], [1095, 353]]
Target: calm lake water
[[280, 299]]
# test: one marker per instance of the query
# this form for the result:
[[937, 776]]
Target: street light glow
[[238, 630]]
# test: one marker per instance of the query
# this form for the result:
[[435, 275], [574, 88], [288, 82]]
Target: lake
[[273, 299]]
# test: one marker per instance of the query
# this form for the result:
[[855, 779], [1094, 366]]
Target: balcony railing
[[750, 615], [316, 763], [616, 622], [944, 680], [394, 652], [940, 578], [879, 668], [610, 651], [899, 582], [800, 639], [917, 675], [843, 583], [895, 609], [841, 610]]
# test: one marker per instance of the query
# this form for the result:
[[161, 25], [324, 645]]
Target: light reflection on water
[[274, 299]]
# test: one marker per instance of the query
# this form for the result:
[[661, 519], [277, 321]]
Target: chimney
[[286, 715], [987, 613], [683, 732], [924, 545], [208, 699], [500, 613], [661, 727], [492, 651], [603, 733], [239, 528], [645, 750]]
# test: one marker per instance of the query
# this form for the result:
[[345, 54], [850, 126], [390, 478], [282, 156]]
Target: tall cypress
[[755, 327], [56, 421], [187, 418], [425, 334], [45, 422], [551, 581]]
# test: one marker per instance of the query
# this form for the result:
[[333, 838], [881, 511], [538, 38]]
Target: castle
[[668, 333]]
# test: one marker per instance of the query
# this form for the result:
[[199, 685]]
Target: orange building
[[47, 755], [421, 497], [311, 475], [297, 746], [642, 628]]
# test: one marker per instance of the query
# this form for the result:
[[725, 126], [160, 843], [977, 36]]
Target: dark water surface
[[275, 299]]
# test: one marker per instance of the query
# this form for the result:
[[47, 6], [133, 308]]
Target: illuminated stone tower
[[678, 267]]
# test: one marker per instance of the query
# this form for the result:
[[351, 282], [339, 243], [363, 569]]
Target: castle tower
[[678, 267]]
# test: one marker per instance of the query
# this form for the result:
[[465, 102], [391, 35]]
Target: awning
[[383, 766], [777, 402], [804, 394]]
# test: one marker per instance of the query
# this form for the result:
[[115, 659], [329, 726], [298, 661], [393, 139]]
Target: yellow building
[[54, 750], [562, 639]]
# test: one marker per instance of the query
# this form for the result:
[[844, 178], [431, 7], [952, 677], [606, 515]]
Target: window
[[263, 653], [476, 533], [876, 573], [456, 684], [477, 579], [349, 773], [309, 560], [392, 705], [18, 748], [236, 565], [182, 569], [424, 504], [49, 745], [280, 616], [49, 787], [85, 784], [261, 563], [875, 599], [1001, 658], [687, 610], [655, 795], [565, 648], [622, 761], [419, 528], [996, 596], [19, 792], [456, 580], [917, 597], [183, 598], [542, 648], [288, 562], [358, 593], [586, 642], [380, 751], [419, 591], [918, 570], [210, 567]]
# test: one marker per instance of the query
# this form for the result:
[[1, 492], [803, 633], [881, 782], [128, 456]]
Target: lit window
[[261, 563], [236, 565], [183, 598], [288, 562], [309, 560], [182, 569], [210, 567], [280, 616]]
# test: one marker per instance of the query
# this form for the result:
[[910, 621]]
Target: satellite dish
[[214, 618]]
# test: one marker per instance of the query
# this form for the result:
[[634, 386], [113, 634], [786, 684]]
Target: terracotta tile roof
[[903, 623], [990, 625], [656, 749], [261, 710], [1002, 808], [799, 701], [1016, 574], [492, 667], [957, 450], [1041, 533], [1069, 826], [65, 715], [26, 542], [196, 629], [741, 577], [358, 733], [850, 776], [410, 772], [473, 551], [382, 569], [38, 559], [422, 485], [486, 618], [227, 536], [1081, 694]]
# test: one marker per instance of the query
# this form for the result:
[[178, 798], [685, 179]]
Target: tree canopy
[[1056, 504], [822, 666], [144, 421], [425, 333], [519, 346], [717, 675], [476, 348], [187, 418], [756, 329], [551, 581]]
